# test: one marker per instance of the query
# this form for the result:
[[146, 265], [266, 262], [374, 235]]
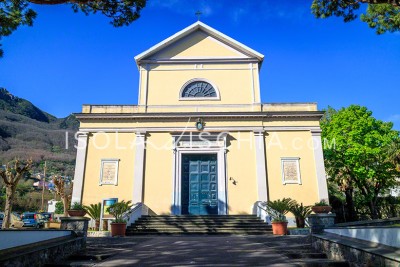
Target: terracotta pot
[[118, 229], [279, 228], [76, 213], [321, 209]]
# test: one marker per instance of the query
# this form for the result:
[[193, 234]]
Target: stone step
[[198, 229], [305, 255], [227, 224], [320, 263], [198, 232], [193, 224], [200, 220]]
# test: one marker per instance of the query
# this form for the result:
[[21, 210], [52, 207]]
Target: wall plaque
[[109, 172], [290, 170]]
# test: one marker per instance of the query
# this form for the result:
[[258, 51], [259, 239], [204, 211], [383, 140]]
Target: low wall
[[378, 222], [389, 236], [42, 253], [361, 253], [16, 238]]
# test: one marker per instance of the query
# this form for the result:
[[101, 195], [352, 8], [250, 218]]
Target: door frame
[[221, 173]]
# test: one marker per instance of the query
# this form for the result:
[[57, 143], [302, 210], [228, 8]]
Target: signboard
[[104, 205]]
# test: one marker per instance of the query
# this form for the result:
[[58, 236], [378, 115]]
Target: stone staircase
[[199, 224]]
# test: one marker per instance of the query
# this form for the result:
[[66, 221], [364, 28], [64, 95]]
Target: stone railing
[[137, 211]]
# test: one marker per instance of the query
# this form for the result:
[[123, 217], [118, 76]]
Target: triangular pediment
[[198, 41]]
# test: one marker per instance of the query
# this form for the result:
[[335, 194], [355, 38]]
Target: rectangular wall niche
[[109, 172], [290, 170]]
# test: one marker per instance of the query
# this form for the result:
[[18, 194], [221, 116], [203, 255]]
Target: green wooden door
[[199, 184]]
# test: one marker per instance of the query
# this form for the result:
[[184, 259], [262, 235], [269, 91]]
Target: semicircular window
[[199, 89]]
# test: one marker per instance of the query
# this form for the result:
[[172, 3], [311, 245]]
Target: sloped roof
[[192, 28]]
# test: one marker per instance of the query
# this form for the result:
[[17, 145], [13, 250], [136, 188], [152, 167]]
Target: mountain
[[29, 132]]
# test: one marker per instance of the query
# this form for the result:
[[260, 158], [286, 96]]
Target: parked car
[[33, 219], [47, 216], [16, 221]]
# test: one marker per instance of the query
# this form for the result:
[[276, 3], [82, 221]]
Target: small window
[[198, 89], [290, 170]]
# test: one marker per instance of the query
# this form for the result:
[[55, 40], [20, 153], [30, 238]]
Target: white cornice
[[184, 115], [211, 129]]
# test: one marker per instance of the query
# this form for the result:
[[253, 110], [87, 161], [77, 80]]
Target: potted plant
[[77, 210], [94, 211], [118, 226], [321, 207], [277, 209], [300, 212]]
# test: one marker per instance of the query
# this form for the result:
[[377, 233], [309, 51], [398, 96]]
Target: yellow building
[[200, 141]]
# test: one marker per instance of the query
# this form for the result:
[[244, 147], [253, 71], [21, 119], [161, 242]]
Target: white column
[[139, 168], [320, 166], [80, 165], [261, 166]]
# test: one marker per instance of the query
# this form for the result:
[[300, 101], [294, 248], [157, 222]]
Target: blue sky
[[69, 59]]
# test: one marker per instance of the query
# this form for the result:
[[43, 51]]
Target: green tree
[[381, 15], [358, 162], [15, 13]]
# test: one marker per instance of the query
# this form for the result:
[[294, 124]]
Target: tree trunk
[[372, 209], [10, 190], [66, 206], [351, 212]]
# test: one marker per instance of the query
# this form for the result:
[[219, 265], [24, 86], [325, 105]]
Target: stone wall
[[40, 253], [356, 256]]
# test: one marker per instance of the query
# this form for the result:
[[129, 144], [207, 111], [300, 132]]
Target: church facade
[[199, 141]]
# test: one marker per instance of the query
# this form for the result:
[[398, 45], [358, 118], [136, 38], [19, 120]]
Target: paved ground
[[197, 250]]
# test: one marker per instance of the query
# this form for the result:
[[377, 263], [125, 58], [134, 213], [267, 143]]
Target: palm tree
[[94, 211]]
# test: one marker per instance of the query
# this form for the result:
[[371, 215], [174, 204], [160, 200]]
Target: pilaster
[[81, 152], [139, 167], [320, 166]]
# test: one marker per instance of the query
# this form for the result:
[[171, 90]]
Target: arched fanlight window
[[198, 89]]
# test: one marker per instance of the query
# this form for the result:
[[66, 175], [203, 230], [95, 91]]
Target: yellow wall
[[241, 166], [92, 191], [158, 180], [198, 44], [307, 192], [233, 81]]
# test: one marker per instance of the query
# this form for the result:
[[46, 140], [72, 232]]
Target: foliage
[[14, 13], [321, 203], [381, 15], [356, 160], [77, 206], [277, 209], [59, 208], [300, 211], [11, 175], [118, 209], [94, 211]]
